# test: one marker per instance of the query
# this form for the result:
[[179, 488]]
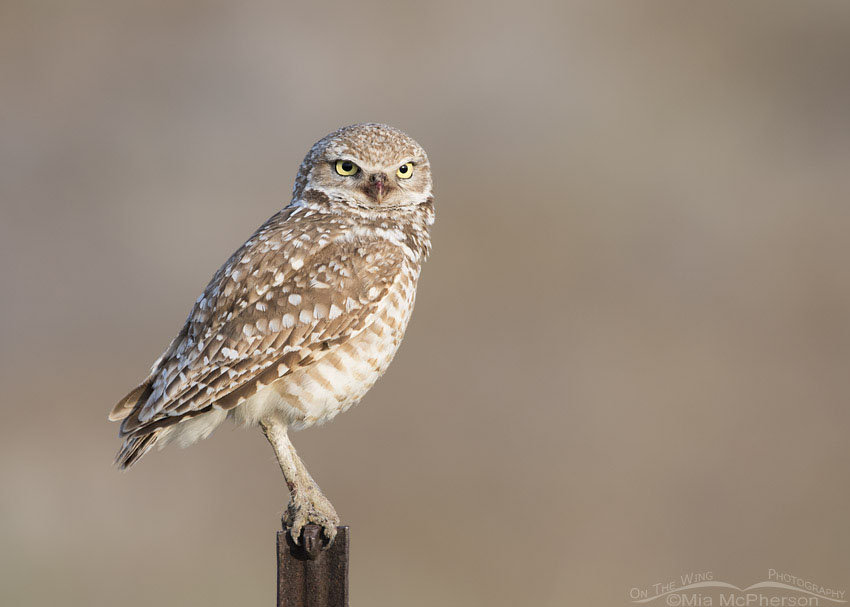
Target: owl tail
[[138, 395], [135, 447]]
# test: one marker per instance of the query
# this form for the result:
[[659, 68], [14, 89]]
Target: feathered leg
[[306, 502]]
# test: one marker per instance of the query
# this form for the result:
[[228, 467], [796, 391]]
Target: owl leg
[[307, 504]]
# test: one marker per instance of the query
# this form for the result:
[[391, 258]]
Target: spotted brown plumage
[[304, 317]]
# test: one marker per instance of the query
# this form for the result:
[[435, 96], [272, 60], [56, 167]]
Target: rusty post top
[[308, 575]]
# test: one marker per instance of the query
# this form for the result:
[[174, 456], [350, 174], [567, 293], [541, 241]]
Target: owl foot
[[310, 506]]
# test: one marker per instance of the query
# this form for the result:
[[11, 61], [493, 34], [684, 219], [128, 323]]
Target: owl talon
[[304, 510]]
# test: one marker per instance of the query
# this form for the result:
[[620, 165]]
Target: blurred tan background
[[630, 357]]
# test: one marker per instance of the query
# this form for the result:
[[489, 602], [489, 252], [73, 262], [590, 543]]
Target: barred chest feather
[[341, 378]]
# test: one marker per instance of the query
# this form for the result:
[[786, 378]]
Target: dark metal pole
[[308, 576]]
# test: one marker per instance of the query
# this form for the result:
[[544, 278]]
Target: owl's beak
[[377, 185]]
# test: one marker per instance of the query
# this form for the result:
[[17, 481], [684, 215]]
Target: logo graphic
[[703, 589]]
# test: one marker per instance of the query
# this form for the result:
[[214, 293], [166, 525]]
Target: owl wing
[[289, 294]]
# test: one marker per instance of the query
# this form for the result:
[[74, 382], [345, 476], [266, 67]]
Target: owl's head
[[369, 166]]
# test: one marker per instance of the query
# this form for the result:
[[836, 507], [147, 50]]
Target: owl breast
[[341, 377]]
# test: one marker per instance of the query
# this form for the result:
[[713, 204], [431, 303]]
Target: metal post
[[308, 576]]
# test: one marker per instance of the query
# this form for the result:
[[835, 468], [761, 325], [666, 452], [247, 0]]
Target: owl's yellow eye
[[346, 167], [405, 171]]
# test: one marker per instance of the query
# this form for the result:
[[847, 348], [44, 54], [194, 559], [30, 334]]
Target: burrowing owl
[[302, 320]]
